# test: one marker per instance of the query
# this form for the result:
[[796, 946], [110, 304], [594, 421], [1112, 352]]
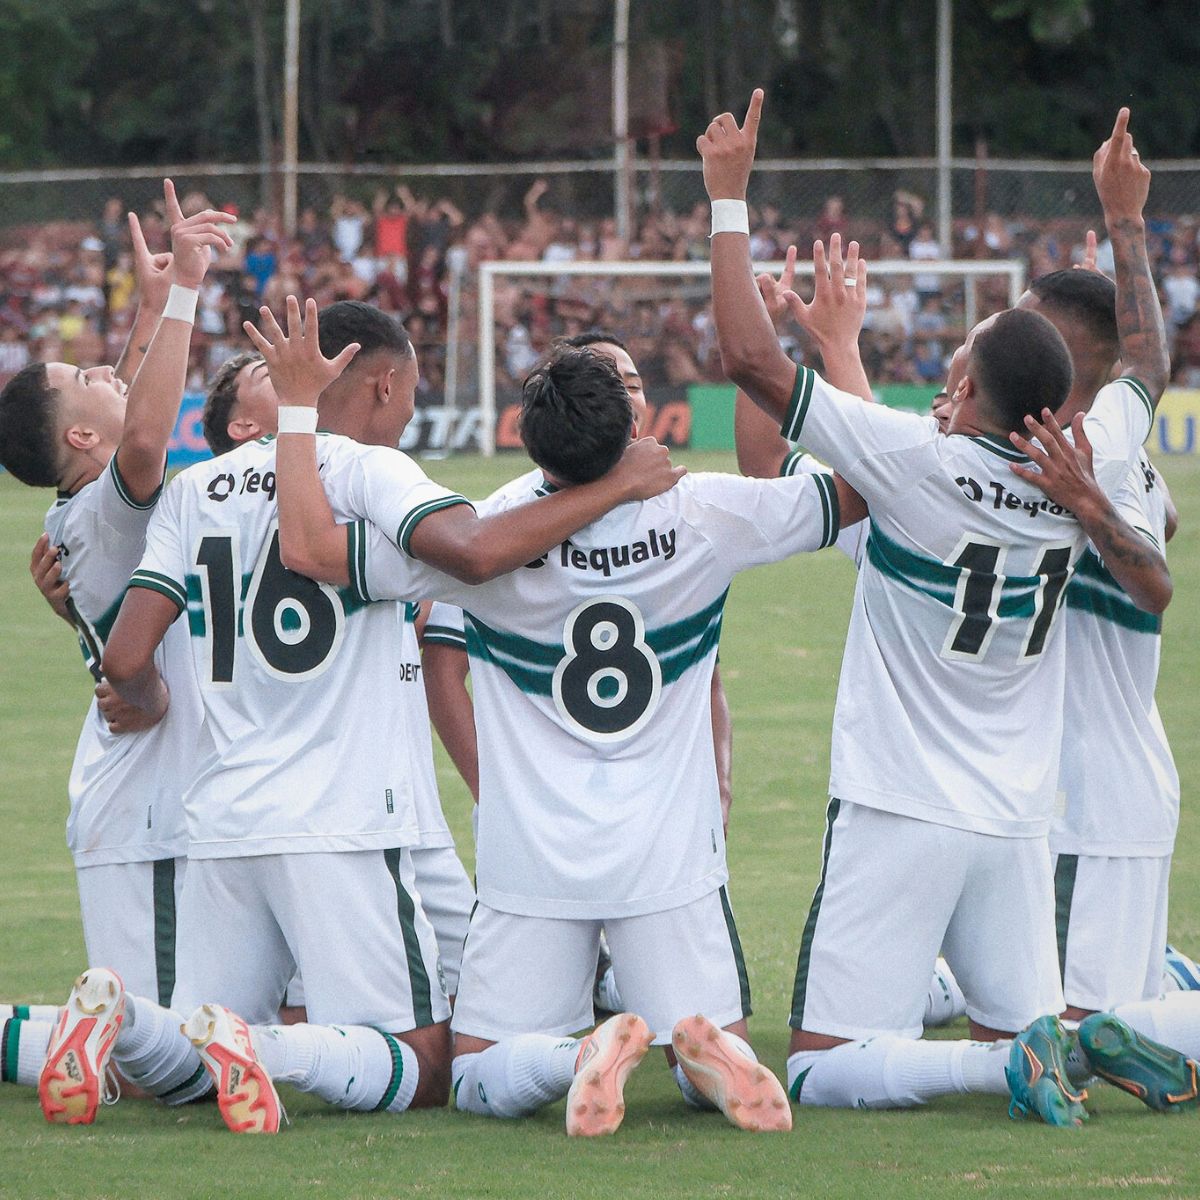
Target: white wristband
[[730, 216], [297, 418], [181, 304]]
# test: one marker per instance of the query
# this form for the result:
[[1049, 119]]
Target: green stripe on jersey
[[445, 635], [356, 560], [831, 511], [997, 445], [791, 465], [1143, 394], [802, 390], [123, 488], [163, 584], [418, 514]]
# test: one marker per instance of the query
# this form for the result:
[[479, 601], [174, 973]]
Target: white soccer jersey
[[592, 670], [1119, 790], [852, 540], [950, 701], [303, 685], [124, 789]]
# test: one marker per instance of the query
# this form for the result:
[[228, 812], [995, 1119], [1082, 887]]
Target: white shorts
[[536, 974], [447, 896], [129, 922], [351, 923], [895, 891], [1111, 920]]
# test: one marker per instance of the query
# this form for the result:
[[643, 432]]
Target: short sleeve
[[753, 521], [382, 486], [164, 565], [848, 433], [445, 627], [379, 570], [1117, 424], [1133, 502], [111, 502]]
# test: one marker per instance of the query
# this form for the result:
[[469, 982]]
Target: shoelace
[[111, 1091]]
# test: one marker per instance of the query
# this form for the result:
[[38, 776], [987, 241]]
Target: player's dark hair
[[1086, 297], [1021, 365], [27, 419], [349, 321], [592, 337], [575, 415], [222, 396]]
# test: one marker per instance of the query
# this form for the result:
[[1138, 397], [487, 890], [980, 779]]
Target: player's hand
[[839, 303], [152, 273], [46, 568], [1064, 471], [645, 470], [728, 151], [122, 717], [774, 291], [194, 239], [299, 371], [1089, 255], [1122, 183]]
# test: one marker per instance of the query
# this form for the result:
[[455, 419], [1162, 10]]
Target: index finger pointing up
[[138, 238], [753, 113], [174, 212], [1120, 125]]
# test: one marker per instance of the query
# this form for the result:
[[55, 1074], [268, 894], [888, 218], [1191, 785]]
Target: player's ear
[[243, 429], [383, 385], [633, 432], [964, 391], [80, 437]]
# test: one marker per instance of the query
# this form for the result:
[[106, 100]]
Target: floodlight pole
[[291, 124], [944, 148], [620, 107]]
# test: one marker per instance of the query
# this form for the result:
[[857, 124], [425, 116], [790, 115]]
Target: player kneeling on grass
[[599, 803]]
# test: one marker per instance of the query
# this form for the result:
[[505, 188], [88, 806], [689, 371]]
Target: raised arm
[[1123, 185], [1065, 476], [153, 276], [152, 407], [455, 540]]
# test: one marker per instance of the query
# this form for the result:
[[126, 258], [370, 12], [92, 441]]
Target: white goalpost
[[968, 269]]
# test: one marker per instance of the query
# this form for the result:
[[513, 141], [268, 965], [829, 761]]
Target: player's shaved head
[[576, 417], [1085, 297], [349, 321], [28, 421], [1021, 365]]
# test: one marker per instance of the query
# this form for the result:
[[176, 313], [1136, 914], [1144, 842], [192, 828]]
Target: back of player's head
[[1086, 298], [221, 398], [592, 337], [575, 415], [1022, 365], [349, 321], [28, 418]]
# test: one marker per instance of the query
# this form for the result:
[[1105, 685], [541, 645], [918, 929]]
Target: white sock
[[152, 1052], [945, 1001], [515, 1077], [23, 1046], [1173, 1020], [691, 1093], [893, 1072], [348, 1065], [607, 996], [31, 1012]]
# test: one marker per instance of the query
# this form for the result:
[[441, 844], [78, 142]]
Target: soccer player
[[301, 818], [949, 715], [103, 445], [598, 792]]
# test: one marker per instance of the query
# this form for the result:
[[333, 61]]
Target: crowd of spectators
[[67, 289]]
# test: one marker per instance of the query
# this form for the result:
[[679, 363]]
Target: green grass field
[[780, 654]]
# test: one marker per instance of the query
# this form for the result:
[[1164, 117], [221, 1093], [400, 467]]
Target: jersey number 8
[[608, 684]]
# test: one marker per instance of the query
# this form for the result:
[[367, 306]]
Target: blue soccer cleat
[[1180, 973], [1161, 1078], [1037, 1076]]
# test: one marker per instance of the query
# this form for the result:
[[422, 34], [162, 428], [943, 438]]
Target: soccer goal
[[912, 306]]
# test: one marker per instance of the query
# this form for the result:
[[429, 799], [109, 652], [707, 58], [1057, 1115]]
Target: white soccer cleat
[[596, 1101], [71, 1085], [246, 1096], [743, 1089]]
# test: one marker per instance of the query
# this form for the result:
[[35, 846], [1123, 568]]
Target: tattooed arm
[[1065, 475], [1123, 185]]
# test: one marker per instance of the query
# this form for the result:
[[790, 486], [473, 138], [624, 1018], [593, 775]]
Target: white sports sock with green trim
[[692, 1095], [31, 1012], [1173, 1020], [945, 1001], [515, 1077], [23, 1046], [351, 1066], [893, 1072], [152, 1052]]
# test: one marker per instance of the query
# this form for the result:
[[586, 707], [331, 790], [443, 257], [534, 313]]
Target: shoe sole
[[70, 1083], [596, 1101], [1045, 1093], [745, 1091], [246, 1096], [1107, 1041]]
